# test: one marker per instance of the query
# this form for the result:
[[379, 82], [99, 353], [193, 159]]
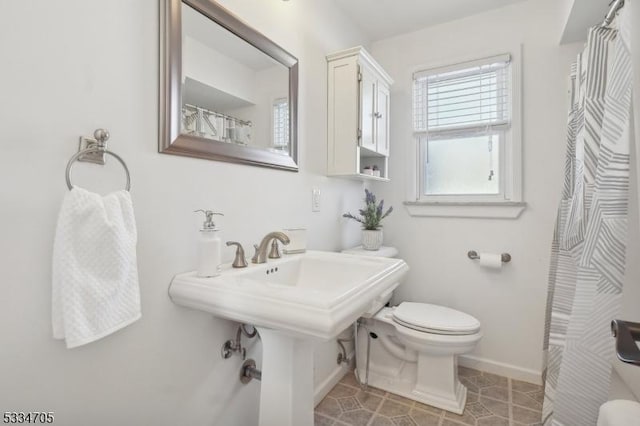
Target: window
[[467, 134], [281, 124]]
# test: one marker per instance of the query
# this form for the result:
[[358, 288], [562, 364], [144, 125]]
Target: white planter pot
[[372, 240]]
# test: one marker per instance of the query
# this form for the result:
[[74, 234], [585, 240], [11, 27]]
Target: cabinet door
[[382, 119], [367, 109], [343, 123]]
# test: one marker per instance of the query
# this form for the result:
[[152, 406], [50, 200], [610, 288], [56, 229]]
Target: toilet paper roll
[[491, 260]]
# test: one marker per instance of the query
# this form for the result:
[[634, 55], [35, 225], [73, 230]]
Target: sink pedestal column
[[286, 388]]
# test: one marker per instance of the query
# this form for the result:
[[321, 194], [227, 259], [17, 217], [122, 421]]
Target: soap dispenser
[[209, 247]]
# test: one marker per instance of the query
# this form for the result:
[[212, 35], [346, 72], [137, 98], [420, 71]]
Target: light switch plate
[[315, 199]]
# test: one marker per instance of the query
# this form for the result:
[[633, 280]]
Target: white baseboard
[[329, 383], [501, 368]]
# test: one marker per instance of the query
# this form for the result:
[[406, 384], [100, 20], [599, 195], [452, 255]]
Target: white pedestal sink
[[294, 302]]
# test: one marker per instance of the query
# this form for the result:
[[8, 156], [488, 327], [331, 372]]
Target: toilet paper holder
[[473, 255]]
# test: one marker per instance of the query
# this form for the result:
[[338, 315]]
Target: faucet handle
[[274, 253], [254, 259], [239, 261]]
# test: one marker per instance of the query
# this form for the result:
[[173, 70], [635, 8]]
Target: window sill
[[472, 209]]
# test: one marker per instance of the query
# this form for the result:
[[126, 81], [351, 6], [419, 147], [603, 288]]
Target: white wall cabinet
[[358, 115]]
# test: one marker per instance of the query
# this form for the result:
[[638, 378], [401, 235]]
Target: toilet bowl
[[414, 348]]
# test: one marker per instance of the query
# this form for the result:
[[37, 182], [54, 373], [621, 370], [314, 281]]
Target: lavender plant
[[372, 214]]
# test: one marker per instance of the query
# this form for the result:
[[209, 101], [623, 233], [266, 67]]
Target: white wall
[[215, 69], [70, 67], [509, 303], [270, 84]]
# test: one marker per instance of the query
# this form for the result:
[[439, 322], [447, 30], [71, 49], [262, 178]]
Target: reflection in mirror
[[227, 92], [231, 92]]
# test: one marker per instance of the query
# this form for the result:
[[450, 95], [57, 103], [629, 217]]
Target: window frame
[[509, 203]]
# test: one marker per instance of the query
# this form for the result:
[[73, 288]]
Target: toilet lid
[[435, 319]]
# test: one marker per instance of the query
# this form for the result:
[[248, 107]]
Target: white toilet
[[622, 409], [414, 348], [619, 413]]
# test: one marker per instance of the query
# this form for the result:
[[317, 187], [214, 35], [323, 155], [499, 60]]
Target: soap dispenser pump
[[209, 247]]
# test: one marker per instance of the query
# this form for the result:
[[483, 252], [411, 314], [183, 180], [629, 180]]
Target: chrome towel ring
[[97, 146]]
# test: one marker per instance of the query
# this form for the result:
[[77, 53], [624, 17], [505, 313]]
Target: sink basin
[[314, 294], [293, 302]]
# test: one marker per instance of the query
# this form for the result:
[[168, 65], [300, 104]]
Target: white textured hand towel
[[95, 273]]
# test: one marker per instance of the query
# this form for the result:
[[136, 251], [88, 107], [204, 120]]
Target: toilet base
[[453, 402], [454, 405], [437, 379]]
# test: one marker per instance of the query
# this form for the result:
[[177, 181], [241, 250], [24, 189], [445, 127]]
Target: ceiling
[[380, 19], [583, 14]]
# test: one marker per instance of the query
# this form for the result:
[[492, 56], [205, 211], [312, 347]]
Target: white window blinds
[[281, 123], [469, 95]]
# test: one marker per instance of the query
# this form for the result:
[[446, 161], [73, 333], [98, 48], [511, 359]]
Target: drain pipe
[[370, 335], [249, 372], [343, 357]]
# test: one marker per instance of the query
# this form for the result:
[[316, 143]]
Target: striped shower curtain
[[589, 243]]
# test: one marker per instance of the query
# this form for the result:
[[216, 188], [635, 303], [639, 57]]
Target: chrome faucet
[[261, 250]]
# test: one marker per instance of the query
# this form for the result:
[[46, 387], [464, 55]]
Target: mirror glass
[[227, 92], [231, 91]]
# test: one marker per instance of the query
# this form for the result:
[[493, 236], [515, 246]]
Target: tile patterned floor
[[492, 401]]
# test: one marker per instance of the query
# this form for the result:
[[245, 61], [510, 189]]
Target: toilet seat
[[435, 319]]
